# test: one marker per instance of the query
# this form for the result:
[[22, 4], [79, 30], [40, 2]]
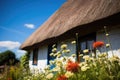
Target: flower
[[80, 55], [64, 59], [51, 54], [86, 50], [107, 34], [68, 51], [62, 77], [72, 66], [104, 54], [98, 44], [64, 46], [107, 45], [55, 55], [73, 42], [86, 57], [99, 55], [69, 74], [84, 68], [50, 75], [56, 69], [73, 55], [82, 64], [59, 63], [52, 62], [54, 50], [58, 55], [64, 51], [54, 45], [114, 58], [58, 52], [93, 54], [92, 59]]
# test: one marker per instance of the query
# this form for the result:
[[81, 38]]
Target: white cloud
[[30, 26], [21, 51], [9, 44]]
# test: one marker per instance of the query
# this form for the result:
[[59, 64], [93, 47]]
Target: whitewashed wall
[[42, 59], [71, 46], [114, 36], [42, 55]]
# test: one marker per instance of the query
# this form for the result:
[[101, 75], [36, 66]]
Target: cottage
[[86, 18]]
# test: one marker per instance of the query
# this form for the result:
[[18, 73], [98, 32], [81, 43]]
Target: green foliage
[[14, 73], [24, 60], [8, 57], [100, 68]]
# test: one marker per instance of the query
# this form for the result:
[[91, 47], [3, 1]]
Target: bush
[[24, 60]]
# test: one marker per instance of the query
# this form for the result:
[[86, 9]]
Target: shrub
[[24, 60]]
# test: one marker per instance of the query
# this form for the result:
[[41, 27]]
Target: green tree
[[8, 57]]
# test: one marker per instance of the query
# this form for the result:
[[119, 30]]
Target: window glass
[[49, 52], [83, 45], [89, 44], [50, 47], [35, 56], [86, 42]]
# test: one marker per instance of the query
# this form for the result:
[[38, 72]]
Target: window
[[51, 57], [49, 52], [35, 56], [86, 42]]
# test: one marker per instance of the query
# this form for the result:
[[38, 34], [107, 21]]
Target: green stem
[[108, 40], [106, 51], [76, 76]]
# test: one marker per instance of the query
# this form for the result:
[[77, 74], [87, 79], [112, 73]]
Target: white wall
[[71, 46], [42, 55], [42, 59], [114, 36]]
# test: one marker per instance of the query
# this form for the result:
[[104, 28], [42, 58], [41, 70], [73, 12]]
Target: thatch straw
[[72, 13]]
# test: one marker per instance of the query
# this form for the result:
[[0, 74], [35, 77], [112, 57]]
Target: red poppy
[[98, 44], [72, 66], [62, 77]]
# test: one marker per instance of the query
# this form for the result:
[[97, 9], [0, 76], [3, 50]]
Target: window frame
[[85, 39], [35, 56], [50, 51]]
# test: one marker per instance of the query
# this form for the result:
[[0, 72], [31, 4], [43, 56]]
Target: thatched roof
[[72, 13]]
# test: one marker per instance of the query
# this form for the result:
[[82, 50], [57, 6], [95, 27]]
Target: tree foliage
[[8, 57]]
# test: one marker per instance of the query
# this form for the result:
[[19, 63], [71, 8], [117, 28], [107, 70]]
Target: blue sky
[[20, 18]]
